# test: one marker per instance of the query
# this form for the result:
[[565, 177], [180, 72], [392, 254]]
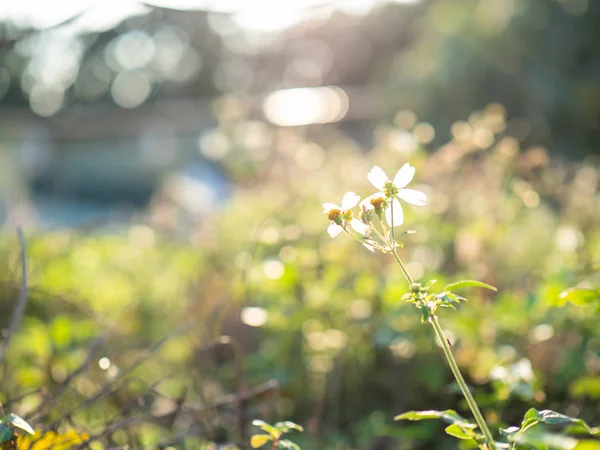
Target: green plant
[[507, 215], [374, 226], [11, 426], [273, 434]]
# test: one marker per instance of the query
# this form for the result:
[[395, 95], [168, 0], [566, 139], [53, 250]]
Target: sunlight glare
[[260, 15], [305, 106]]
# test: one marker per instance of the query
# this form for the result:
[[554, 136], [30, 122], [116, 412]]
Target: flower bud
[[378, 204], [415, 288], [335, 216], [365, 216]]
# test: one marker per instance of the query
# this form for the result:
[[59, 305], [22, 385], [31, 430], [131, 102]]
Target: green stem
[[435, 323], [404, 271]]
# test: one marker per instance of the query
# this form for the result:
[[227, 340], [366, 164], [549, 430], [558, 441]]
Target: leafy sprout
[[273, 434]]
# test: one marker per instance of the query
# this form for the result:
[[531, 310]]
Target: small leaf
[[449, 416], [288, 444], [542, 440], [287, 426], [258, 423], [509, 431], [469, 283], [274, 432], [533, 416], [529, 419], [456, 298], [580, 296], [258, 440], [18, 422], [458, 432], [555, 418], [429, 284], [6, 433]]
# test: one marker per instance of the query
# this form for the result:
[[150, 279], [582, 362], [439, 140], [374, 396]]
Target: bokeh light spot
[[130, 89], [273, 269], [254, 316], [104, 363]]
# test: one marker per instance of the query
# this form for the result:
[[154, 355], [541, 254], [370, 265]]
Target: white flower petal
[[413, 197], [350, 200], [359, 226], [404, 176], [369, 247], [366, 203], [329, 206], [397, 212], [377, 177], [334, 230]]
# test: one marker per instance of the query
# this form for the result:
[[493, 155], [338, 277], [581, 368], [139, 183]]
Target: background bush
[[320, 316]]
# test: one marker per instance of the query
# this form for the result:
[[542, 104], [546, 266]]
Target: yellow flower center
[[333, 215], [390, 189], [377, 202]]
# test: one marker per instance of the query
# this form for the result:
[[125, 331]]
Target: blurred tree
[[441, 59]]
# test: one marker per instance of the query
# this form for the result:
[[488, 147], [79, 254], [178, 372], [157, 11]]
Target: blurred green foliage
[[323, 316]]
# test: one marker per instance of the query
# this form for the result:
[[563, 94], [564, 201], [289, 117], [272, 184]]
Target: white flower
[[375, 202], [341, 216], [395, 190]]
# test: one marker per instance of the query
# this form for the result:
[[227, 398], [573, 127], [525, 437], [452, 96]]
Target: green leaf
[[449, 416], [287, 426], [587, 445], [453, 297], [288, 444], [580, 296], [529, 419], [533, 416], [258, 440], [429, 284], [543, 440], [6, 433], [458, 432], [469, 283], [274, 432], [258, 423], [425, 315], [18, 422], [510, 431]]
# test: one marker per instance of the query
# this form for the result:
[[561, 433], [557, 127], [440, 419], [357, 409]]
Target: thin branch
[[46, 408], [108, 387], [18, 312]]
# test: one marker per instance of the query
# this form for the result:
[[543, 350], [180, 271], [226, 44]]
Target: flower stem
[[404, 271], [435, 323]]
